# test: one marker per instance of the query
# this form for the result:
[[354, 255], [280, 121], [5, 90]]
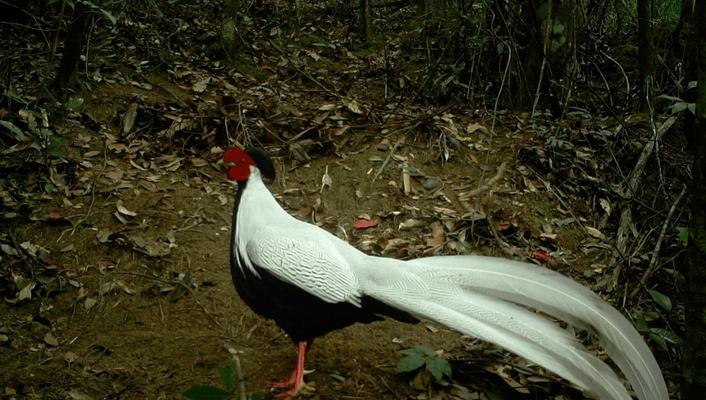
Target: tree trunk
[[366, 26], [421, 7], [231, 35], [73, 47], [694, 385], [644, 28], [548, 42]]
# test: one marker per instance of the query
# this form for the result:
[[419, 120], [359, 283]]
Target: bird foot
[[289, 382], [294, 391]]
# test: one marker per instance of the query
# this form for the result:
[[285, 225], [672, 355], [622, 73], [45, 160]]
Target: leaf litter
[[125, 185]]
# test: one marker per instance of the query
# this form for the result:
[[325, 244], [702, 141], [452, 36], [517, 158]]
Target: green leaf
[[57, 145], [659, 341], [641, 321], [668, 97], [49, 187], [558, 28], [228, 31], [662, 299], [101, 10], [683, 234], [228, 376], [420, 350], [678, 107], [678, 276], [410, 362], [73, 103], [667, 335], [439, 368], [19, 134], [206, 393]]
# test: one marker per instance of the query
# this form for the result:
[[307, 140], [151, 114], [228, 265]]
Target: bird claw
[[294, 391]]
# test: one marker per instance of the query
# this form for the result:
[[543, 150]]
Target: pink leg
[[295, 382]]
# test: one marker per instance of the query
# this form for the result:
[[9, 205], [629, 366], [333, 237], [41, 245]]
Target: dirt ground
[[151, 327], [124, 262]]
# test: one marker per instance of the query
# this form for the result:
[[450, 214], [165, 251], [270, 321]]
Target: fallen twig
[[465, 196], [387, 160], [652, 268]]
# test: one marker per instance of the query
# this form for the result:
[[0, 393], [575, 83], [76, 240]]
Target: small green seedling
[[659, 336], [426, 364], [229, 380]]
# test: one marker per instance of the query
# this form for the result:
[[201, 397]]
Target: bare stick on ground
[[628, 193]]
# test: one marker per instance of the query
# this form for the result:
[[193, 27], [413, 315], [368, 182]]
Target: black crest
[[262, 162]]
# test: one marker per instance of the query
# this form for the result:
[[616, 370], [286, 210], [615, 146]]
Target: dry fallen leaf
[[605, 205], [411, 223], [9, 250], [106, 288], [115, 175], [90, 302], [124, 211], [50, 340], [200, 86], [26, 292], [76, 394], [326, 180], [365, 223], [353, 106], [70, 357], [129, 118], [126, 288], [593, 232], [438, 237], [327, 107], [474, 126], [313, 54], [199, 162], [103, 236]]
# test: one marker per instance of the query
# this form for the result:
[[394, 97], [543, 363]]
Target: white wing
[[305, 258]]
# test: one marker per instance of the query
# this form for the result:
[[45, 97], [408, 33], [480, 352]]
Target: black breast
[[302, 315]]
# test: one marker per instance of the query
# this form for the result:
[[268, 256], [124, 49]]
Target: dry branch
[[465, 196], [627, 193], [652, 268]]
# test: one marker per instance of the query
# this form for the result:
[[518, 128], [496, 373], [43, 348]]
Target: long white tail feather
[[479, 296], [559, 296], [515, 329]]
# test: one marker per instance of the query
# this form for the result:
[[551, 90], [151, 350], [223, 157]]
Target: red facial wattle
[[242, 160]]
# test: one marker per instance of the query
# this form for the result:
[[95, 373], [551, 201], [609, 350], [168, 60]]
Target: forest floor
[[114, 267]]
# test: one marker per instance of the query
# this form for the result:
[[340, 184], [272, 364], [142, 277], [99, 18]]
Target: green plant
[[659, 336], [229, 379], [426, 364], [683, 235], [91, 5], [678, 104]]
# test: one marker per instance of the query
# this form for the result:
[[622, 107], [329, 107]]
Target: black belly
[[301, 315]]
